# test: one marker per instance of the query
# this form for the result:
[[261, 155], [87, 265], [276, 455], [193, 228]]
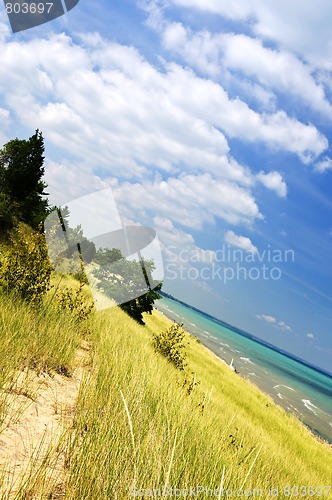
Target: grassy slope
[[136, 424]]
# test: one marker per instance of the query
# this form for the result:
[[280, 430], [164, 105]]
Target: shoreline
[[315, 433]]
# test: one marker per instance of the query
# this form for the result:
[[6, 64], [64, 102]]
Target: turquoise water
[[297, 387]]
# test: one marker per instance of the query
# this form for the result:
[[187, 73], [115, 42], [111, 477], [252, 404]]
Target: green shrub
[[26, 269], [75, 302], [170, 344]]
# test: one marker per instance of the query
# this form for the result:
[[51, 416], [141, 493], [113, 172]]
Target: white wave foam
[[279, 395], [247, 360], [310, 406], [286, 386]]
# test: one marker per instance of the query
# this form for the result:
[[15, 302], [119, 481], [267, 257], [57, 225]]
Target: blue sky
[[211, 122]]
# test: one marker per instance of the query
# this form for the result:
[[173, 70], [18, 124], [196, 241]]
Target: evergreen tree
[[21, 172], [120, 279]]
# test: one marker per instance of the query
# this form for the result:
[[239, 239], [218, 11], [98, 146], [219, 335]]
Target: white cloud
[[273, 69], [139, 122], [175, 36], [240, 242], [233, 10], [68, 181], [178, 246], [324, 165], [310, 336], [267, 318], [4, 26], [170, 235], [201, 50], [273, 181], [144, 117], [276, 70], [114, 113], [4, 117], [190, 200], [4, 124], [211, 103], [293, 25], [274, 321], [265, 100], [284, 327]]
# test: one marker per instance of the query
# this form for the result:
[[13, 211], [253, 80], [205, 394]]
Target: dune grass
[[137, 426], [42, 339]]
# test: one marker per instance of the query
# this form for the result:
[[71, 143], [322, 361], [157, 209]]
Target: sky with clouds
[[211, 122]]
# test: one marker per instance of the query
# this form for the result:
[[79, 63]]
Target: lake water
[[298, 388]]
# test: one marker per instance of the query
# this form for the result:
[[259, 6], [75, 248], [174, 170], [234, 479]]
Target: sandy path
[[35, 435]]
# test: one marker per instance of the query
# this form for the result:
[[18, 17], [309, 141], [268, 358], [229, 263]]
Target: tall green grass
[[137, 428], [44, 339]]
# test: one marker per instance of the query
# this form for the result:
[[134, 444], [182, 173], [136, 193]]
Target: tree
[[86, 248], [8, 212], [108, 256], [68, 248], [75, 238], [128, 282], [136, 307], [21, 172]]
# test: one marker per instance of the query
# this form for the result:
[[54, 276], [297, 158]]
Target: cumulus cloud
[[274, 321], [240, 242], [4, 117], [145, 117], [4, 124], [278, 70], [264, 99], [114, 114], [211, 103], [275, 70], [190, 200], [324, 165], [68, 181], [140, 121], [273, 181], [267, 318], [178, 246], [201, 50], [293, 26], [284, 327]]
